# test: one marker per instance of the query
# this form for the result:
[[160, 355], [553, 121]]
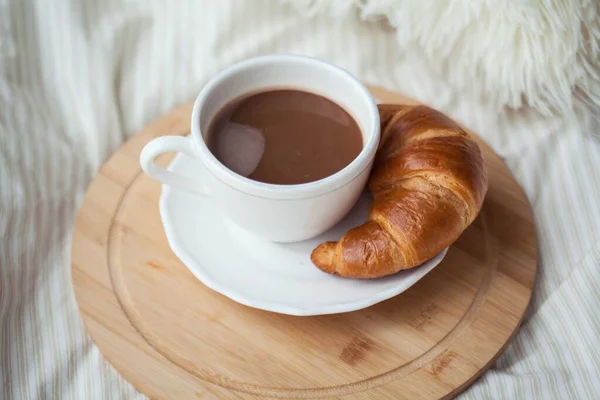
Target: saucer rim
[[199, 273]]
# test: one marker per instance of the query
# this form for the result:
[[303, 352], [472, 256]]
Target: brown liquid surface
[[284, 137]]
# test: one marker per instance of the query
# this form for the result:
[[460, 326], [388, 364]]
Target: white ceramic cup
[[281, 213]]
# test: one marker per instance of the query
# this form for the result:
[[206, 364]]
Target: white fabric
[[78, 78], [544, 53]]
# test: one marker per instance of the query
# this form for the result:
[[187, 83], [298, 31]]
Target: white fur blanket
[[543, 54], [78, 78]]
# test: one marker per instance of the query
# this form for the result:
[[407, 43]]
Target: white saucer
[[261, 274]]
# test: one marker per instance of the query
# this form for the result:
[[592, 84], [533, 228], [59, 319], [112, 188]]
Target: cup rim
[[276, 191]]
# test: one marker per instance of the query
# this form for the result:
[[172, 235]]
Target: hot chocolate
[[284, 136]]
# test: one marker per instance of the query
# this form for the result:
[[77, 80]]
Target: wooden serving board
[[172, 337]]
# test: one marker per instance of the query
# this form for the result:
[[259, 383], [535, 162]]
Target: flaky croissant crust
[[428, 183]]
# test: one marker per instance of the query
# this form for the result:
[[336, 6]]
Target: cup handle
[[166, 144]]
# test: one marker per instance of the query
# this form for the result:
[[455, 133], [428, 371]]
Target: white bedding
[[78, 78]]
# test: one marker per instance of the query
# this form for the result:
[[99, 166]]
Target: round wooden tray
[[172, 337]]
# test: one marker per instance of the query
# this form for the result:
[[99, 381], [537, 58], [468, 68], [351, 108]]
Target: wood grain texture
[[172, 337]]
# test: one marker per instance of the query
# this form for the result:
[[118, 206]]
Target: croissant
[[428, 183]]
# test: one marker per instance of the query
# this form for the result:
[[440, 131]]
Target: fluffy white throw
[[539, 53]]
